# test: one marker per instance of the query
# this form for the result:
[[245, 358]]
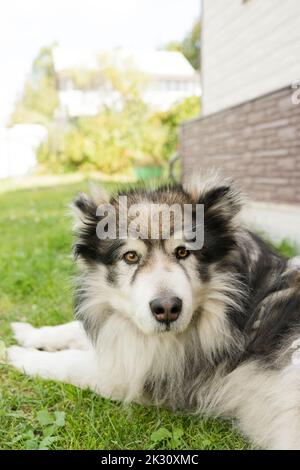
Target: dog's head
[[159, 282]]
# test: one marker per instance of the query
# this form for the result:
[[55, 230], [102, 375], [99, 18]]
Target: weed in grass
[[44, 433]]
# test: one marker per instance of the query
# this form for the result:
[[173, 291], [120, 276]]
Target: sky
[[27, 25]]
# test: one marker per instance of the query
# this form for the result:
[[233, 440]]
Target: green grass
[[35, 286]]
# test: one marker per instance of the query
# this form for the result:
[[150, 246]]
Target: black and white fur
[[232, 353]]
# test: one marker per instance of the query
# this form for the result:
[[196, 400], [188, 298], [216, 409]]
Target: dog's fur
[[233, 352]]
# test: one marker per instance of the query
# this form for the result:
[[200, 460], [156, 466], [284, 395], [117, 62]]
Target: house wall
[[249, 48], [257, 143]]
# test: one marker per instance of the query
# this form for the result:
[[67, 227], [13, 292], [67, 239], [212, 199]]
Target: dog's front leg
[[71, 366], [51, 338]]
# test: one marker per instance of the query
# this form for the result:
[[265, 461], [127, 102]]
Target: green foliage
[[190, 46], [163, 438], [110, 142], [123, 77], [2, 352], [115, 140], [122, 134], [41, 434], [39, 99], [286, 248], [120, 76], [171, 120]]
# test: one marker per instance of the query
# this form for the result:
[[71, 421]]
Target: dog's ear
[[219, 195], [223, 200], [222, 203], [84, 207]]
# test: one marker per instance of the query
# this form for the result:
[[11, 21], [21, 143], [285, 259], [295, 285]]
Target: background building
[[250, 123], [168, 76]]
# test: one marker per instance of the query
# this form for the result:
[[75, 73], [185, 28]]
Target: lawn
[[35, 285]]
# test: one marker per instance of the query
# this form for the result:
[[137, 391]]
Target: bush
[[115, 140], [171, 120], [110, 142]]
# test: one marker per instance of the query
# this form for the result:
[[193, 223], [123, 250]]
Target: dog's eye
[[181, 252], [131, 257]]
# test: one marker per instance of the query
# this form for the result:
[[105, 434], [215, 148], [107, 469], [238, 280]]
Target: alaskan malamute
[[214, 330]]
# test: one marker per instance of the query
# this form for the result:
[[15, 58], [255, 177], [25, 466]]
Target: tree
[[124, 132], [39, 99], [110, 142], [121, 134], [189, 46], [171, 120]]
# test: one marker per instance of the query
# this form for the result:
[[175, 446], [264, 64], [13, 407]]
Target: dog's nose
[[166, 309]]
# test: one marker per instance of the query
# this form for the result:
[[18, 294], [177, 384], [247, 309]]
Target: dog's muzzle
[[166, 309]]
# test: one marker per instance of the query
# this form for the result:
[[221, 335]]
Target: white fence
[[18, 146]]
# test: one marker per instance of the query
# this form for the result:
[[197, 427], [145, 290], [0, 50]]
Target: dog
[[213, 331]]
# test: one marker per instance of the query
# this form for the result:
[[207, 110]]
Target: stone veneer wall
[[257, 143]]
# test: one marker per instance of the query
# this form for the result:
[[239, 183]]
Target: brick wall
[[257, 143]]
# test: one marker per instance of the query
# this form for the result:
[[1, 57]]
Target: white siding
[[248, 49]]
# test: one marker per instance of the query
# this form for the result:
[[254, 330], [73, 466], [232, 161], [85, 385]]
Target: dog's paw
[[24, 333], [19, 358]]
